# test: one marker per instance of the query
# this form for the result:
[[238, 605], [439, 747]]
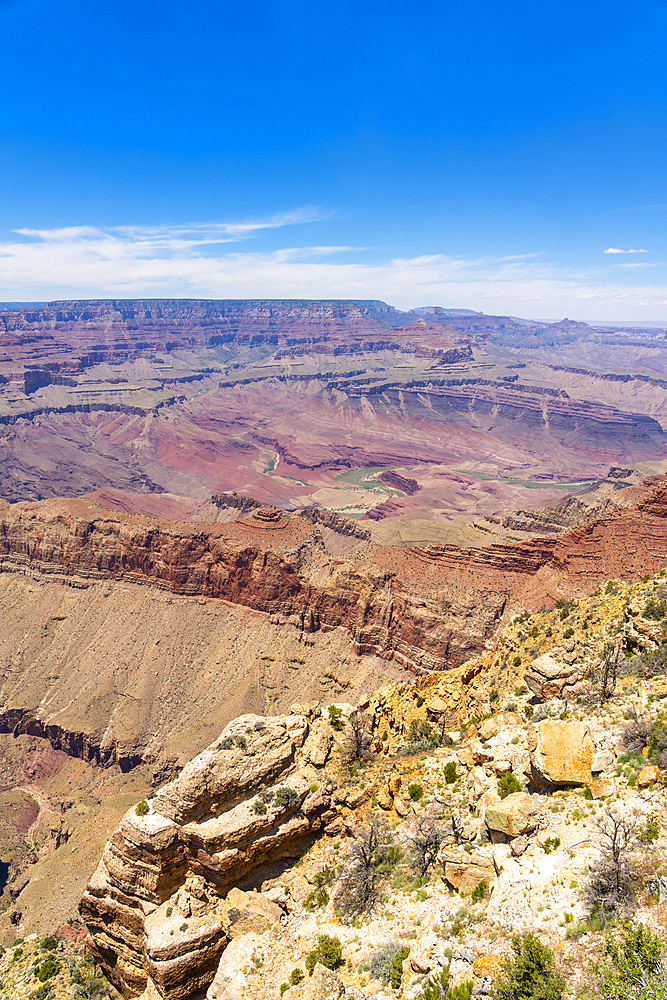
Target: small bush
[[528, 711], [296, 976], [335, 717], [415, 791], [183, 927], [286, 797], [169, 911], [329, 953], [450, 772], [259, 807], [381, 963], [587, 793], [241, 742], [49, 968], [508, 784], [650, 830], [529, 974], [633, 967], [550, 844], [142, 808], [479, 892], [371, 856]]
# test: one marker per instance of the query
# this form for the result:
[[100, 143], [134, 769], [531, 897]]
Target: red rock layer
[[429, 607]]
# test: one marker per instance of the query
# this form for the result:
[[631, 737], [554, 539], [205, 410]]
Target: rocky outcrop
[[159, 905], [550, 677]]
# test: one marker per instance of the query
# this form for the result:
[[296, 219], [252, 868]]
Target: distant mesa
[[409, 486]]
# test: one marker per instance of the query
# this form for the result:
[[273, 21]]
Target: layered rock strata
[[159, 905]]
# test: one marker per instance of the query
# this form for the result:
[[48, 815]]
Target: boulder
[[488, 967], [464, 871], [561, 754], [514, 815], [325, 984], [549, 677], [602, 760], [384, 799], [518, 846], [318, 747], [232, 972], [648, 775], [602, 788], [245, 912]]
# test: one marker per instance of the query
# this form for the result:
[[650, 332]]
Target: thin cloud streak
[[616, 250], [173, 261]]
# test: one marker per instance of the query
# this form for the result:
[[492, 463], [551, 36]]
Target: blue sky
[[478, 154]]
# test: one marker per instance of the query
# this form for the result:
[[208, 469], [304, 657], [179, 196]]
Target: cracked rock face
[[159, 906]]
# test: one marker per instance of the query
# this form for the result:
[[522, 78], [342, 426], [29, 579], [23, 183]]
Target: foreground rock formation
[[159, 904]]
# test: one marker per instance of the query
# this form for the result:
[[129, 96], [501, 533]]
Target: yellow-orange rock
[[487, 966], [648, 775], [603, 788], [561, 754]]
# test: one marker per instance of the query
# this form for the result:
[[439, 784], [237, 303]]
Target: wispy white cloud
[[197, 261], [617, 250]]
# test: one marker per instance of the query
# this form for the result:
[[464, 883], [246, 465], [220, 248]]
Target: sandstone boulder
[[648, 775], [245, 912], [561, 754], [514, 815], [603, 788], [232, 973], [464, 871], [325, 984], [488, 967], [550, 677]]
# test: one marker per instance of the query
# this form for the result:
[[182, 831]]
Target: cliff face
[[427, 606]]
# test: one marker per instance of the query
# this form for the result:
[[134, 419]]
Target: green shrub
[[286, 796], [415, 791], [241, 742], [284, 988], [329, 953], [169, 911], [259, 807], [587, 793], [568, 633], [335, 717], [508, 784], [381, 963], [295, 977], [49, 968], [397, 967], [550, 844], [650, 830], [529, 974], [142, 808], [450, 772], [479, 892], [516, 661], [634, 959]]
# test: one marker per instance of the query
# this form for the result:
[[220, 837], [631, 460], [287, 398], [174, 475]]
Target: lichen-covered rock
[[159, 905], [561, 754], [647, 775], [514, 815]]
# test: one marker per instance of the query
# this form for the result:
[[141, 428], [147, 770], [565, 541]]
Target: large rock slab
[[561, 754], [514, 815], [162, 905]]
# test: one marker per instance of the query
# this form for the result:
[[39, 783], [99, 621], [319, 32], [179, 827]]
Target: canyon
[[212, 510]]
